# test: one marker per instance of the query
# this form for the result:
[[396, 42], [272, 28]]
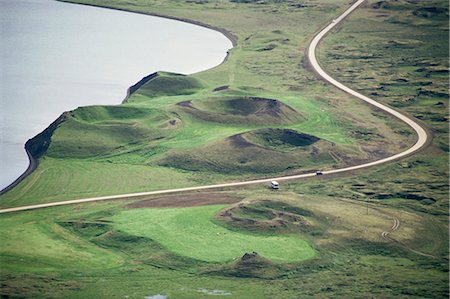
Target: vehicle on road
[[274, 185], [319, 172]]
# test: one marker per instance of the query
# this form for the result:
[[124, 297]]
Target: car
[[319, 172]]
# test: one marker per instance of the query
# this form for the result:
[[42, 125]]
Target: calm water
[[56, 57]]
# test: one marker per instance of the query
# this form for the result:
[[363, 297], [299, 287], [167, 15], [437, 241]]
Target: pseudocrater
[[269, 150], [242, 110]]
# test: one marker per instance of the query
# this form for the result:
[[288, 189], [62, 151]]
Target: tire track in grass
[[395, 226]]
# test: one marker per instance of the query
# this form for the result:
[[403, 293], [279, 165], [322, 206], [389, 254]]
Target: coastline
[[228, 34], [32, 165], [133, 88], [33, 158], [35, 149]]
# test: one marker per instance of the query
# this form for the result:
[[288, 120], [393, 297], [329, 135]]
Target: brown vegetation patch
[[185, 200], [266, 215], [238, 141], [250, 265]]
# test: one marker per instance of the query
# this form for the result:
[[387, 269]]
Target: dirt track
[[185, 200]]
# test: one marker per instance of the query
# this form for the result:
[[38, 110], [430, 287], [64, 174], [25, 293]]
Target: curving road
[[422, 136]]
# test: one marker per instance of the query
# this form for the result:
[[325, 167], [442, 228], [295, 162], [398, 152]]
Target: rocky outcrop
[[38, 145], [132, 89]]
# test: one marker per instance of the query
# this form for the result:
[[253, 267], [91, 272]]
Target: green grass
[[75, 252], [191, 232], [59, 180], [166, 84], [250, 111], [33, 243]]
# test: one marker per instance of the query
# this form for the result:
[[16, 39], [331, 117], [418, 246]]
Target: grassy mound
[[170, 84], [41, 246], [191, 232], [242, 110], [144, 250], [95, 131], [255, 152], [252, 265], [94, 114], [267, 215]]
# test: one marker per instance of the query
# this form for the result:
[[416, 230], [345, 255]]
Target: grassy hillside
[[219, 126]]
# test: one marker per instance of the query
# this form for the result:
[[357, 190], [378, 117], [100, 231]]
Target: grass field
[[191, 232], [109, 250], [43, 246], [394, 51]]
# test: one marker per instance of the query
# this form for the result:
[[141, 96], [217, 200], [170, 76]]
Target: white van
[[274, 185]]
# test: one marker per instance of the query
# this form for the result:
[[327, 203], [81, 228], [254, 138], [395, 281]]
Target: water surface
[[58, 56]]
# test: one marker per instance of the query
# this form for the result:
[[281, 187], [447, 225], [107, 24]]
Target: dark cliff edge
[[35, 148], [38, 145], [132, 89]]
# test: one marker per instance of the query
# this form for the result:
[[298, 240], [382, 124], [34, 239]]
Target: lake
[[57, 56]]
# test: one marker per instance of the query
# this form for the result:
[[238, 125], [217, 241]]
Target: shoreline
[[228, 34], [33, 162], [32, 166], [35, 148], [133, 88]]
